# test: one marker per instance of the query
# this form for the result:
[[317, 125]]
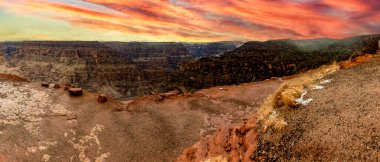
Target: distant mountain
[[199, 50]]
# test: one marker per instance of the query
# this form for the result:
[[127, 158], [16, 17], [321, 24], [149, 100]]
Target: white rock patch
[[46, 157], [42, 146], [317, 87], [22, 105], [88, 140], [303, 101], [326, 81]]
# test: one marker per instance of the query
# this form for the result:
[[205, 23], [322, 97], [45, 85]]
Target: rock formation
[[75, 91], [230, 143], [255, 61], [114, 68], [102, 98], [120, 69]]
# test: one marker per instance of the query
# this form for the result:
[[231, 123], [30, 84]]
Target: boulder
[[67, 87], [44, 84], [75, 91], [102, 98], [54, 86]]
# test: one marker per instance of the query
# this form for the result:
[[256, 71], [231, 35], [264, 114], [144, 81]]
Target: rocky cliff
[[118, 69], [255, 61]]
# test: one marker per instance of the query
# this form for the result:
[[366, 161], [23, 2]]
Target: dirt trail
[[42, 124], [340, 124]]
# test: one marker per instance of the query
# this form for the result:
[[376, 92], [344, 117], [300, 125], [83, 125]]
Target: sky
[[186, 20]]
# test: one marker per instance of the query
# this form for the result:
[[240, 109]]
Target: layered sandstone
[[115, 68]]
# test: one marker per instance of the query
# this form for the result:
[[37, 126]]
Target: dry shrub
[[274, 122], [289, 97], [286, 95]]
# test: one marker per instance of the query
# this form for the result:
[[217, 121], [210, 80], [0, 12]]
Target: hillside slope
[[340, 124], [337, 121]]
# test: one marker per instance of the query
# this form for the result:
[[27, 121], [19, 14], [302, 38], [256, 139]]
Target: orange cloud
[[212, 20]]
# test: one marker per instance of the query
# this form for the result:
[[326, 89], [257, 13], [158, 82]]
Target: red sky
[[186, 20]]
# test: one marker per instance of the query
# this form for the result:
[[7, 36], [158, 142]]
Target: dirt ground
[[340, 124], [46, 124]]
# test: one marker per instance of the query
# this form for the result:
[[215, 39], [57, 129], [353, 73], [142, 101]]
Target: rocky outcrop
[[231, 143], [114, 68], [255, 61], [75, 91]]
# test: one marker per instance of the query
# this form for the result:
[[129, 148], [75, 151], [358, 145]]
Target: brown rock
[[67, 87], [75, 91], [102, 98], [57, 86], [227, 144], [44, 84], [54, 86]]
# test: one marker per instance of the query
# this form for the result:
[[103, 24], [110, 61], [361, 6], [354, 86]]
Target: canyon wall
[[255, 61], [118, 69], [136, 68]]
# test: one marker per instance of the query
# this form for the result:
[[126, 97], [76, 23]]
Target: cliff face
[[118, 69], [255, 61]]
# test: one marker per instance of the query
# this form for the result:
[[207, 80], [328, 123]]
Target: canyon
[[127, 70], [115, 68], [217, 116]]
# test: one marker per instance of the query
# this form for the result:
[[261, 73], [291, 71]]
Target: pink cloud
[[213, 20]]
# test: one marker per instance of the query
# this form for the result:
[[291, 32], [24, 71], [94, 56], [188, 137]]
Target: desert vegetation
[[289, 97]]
